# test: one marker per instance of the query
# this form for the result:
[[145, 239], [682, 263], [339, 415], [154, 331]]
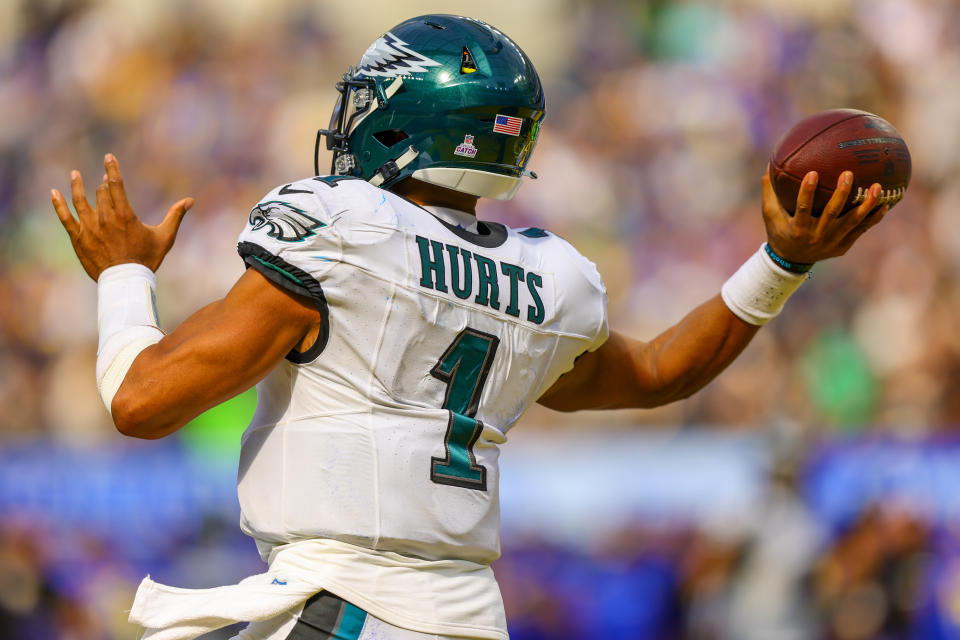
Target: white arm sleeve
[[758, 290], [127, 323]]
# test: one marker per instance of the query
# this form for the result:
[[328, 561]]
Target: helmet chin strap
[[393, 87], [391, 168]]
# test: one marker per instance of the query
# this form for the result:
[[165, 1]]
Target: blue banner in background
[[571, 486], [137, 496], [921, 476], [605, 526]]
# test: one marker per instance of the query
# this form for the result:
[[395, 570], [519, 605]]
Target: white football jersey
[[385, 435]]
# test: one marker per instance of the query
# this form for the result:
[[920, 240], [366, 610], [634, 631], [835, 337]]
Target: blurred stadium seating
[[810, 492]]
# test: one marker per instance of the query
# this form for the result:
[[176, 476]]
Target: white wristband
[[127, 322], [758, 290]]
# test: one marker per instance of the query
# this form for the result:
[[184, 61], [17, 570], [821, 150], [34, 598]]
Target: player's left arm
[[218, 352], [221, 350], [629, 373]]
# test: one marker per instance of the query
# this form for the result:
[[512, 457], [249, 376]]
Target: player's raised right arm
[[629, 373]]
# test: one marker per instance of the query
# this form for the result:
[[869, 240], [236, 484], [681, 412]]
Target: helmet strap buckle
[[361, 98], [391, 168], [344, 163]]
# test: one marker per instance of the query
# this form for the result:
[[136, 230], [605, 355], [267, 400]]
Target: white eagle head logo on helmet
[[284, 221], [389, 57]]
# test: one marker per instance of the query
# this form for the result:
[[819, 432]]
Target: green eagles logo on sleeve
[[284, 221]]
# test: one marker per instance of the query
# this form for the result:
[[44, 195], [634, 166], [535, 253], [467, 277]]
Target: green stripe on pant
[[328, 617]]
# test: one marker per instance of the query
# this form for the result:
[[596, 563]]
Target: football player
[[395, 339]]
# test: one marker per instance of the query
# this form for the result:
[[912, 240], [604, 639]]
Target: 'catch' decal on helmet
[[389, 57], [285, 222]]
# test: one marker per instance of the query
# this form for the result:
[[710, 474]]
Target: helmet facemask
[[359, 97]]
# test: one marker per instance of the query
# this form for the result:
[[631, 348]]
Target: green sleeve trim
[[295, 280], [282, 272]]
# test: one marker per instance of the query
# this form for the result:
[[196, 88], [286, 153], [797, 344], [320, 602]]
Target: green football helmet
[[444, 99]]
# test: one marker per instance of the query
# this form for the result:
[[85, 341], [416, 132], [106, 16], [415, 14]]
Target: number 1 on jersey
[[463, 367]]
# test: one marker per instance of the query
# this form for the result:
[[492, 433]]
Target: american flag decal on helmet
[[507, 124]]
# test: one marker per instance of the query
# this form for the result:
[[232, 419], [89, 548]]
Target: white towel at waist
[[446, 597], [171, 613]]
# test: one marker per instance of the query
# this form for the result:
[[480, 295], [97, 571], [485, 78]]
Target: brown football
[[832, 142]]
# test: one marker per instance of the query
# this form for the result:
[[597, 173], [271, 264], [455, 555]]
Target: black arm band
[[783, 263]]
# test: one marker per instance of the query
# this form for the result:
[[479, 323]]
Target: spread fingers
[[84, 211], [118, 192], [63, 212]]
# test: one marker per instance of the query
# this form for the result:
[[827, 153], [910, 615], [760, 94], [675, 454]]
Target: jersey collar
[[466, 226], [455, 217]]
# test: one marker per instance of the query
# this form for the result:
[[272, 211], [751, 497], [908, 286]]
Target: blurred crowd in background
[[660, 118]]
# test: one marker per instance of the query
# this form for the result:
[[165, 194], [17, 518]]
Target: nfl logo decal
[[466, 148], [508, 125]]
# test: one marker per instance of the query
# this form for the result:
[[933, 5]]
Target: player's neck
[[426, 195]]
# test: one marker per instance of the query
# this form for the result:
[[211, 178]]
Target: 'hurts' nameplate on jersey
[[466, 275]]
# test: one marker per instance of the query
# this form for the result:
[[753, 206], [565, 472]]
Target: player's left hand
[[111, 233], [803, 238]]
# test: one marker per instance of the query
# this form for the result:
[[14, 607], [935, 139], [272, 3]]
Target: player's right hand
[[804, 238], [111, 233]]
